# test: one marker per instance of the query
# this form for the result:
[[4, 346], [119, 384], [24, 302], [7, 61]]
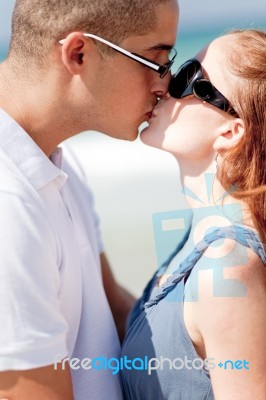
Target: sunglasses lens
[[203, 89], [189, 80], [180, 81]]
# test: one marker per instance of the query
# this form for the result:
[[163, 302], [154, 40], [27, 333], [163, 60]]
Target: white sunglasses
[[160, 69]]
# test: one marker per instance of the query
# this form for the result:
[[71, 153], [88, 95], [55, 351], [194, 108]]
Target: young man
[[65, 74]]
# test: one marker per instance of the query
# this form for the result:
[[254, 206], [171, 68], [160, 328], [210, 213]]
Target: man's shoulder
[[23, 217], [11, 178]]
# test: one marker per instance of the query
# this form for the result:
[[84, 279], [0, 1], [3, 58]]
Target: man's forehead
[[163, 36]]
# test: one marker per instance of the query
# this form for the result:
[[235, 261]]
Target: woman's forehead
[[215, 60]]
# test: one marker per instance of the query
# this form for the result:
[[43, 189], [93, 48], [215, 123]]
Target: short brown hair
[[38, 24], [244, 167]]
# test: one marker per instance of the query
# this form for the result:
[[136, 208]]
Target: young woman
[[198, 331]]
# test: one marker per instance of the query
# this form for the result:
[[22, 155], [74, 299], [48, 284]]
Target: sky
[[195, 15], [206, 14]]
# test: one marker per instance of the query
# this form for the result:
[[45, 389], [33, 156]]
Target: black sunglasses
[[189, 80]]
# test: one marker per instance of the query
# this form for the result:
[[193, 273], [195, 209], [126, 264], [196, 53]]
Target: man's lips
[[155, 110], [152, 113]]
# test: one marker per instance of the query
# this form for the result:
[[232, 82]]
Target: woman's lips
[[154, 113]]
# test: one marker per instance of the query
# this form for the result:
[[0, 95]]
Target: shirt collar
[[27, 156]]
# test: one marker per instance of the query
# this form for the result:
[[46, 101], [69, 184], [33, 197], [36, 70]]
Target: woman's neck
[[210, 203]]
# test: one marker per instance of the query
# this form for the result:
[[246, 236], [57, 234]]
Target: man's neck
[[35, 107]]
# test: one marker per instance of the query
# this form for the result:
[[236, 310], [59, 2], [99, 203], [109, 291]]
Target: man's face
[[124, 92]]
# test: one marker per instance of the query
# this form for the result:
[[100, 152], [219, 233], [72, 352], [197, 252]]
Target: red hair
[[246, 161]]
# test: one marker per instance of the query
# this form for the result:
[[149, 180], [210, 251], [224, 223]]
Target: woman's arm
[[120, 300], [233, 325]]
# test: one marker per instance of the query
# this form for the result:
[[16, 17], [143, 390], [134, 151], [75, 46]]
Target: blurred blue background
[[199, 21], [132, 182]]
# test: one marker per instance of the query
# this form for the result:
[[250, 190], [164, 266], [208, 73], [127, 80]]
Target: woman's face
[[187, 127]]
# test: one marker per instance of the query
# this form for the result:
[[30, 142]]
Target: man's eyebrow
[[160, 46]]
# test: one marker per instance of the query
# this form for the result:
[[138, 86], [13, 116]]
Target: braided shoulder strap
[[242, 235]]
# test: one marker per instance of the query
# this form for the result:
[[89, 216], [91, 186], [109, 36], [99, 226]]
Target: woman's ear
[[229, 134]]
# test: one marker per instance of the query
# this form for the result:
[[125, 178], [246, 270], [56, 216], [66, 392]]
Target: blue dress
[[156, 329]]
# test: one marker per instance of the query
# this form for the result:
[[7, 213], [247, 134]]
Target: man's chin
[[130, 134], [127, 134]]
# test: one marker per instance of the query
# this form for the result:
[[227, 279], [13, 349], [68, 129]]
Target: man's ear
[[229, 134], [73, 52]]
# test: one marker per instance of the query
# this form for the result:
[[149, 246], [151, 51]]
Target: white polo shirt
[[52, 301]]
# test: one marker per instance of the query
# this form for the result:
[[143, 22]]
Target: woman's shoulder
[[228, 289], [231, 259], [229, 242]]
